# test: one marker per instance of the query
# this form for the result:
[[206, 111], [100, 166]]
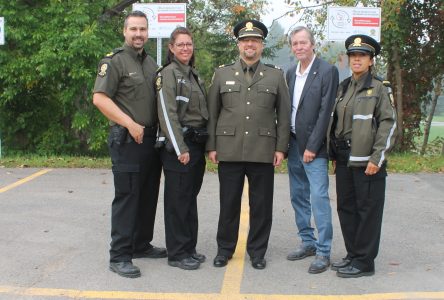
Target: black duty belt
[[150, 131], [342, 144]]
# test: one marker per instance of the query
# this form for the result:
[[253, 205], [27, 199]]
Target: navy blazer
[[314, 110]]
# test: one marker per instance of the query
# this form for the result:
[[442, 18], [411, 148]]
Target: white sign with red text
[[163, 18], [346, 21]]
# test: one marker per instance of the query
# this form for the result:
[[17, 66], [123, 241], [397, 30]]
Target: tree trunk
[[428, 123], [398, 96], [442, 150]]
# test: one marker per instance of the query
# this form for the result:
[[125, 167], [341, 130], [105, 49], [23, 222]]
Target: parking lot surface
[[55, 234]]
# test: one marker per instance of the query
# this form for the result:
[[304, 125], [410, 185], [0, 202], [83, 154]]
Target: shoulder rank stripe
[[273, 66], [223, 66], [114, 52]]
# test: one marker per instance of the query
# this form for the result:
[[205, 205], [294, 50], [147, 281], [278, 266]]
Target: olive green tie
[[248, 76]]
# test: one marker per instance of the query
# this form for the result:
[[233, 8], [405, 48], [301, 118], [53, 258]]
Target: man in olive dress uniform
[[249, 125]]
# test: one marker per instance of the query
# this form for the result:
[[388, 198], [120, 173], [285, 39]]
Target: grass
[[37, 161], [398, 163]]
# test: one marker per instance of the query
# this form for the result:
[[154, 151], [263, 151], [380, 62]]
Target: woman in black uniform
[[362, 131], [183, 115]]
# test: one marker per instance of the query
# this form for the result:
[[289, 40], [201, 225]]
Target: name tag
[[230, 82]]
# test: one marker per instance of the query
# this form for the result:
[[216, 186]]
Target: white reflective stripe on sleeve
[[161, 138], [168, 124], [182, 98], [359, 158], [362, 117], [387, 144]]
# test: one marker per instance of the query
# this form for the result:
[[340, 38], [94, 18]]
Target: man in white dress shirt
[[312, 85]]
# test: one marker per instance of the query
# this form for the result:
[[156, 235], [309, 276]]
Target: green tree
[[48, 68], [49, 64], [412, 40]]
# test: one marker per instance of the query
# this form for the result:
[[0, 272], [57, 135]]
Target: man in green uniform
[[124, 93], [249, 125]]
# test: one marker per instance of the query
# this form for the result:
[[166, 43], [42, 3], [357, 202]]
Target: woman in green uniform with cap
[[362, 131]]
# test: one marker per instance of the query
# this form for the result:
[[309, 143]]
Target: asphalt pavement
[[55, 234]]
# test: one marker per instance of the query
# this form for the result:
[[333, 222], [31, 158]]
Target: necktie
[[248, 76]]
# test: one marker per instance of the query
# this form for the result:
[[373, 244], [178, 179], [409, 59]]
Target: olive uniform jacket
[[374, 122], [248, 122], [181, 102]]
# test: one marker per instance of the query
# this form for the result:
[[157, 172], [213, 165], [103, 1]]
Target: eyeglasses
[[182, 45]]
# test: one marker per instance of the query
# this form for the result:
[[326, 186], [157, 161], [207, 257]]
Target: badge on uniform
[[369, 92], [159, 83], [103, 69]]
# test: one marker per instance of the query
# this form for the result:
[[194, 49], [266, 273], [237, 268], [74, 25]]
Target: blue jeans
[[309, 193]]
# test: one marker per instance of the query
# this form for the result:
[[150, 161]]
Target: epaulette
[[114, 52], [160, 68], [387, 83], [223, 66], [379, 78], [273, 66]]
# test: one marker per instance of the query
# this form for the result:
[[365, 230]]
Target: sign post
[[163, 18], [2, 42], [2, 31], [346, 21]]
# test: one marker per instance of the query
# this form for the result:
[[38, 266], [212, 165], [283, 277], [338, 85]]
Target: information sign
[[346, 21]]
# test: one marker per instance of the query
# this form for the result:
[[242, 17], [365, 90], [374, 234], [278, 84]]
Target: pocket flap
[[230, 88], [225, 130], [267, 132], [267, 89]]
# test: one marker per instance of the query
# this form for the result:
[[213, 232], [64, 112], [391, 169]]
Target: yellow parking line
[[24, 180], [231, 283], [67, 293], [235, 269]]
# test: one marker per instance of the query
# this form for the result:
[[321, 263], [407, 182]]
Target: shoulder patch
[[223, 66], [388, 85], [114, 52], [159, 82], [273, 66], [102, 69]]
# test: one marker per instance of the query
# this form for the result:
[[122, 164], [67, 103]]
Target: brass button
[[246, 132], [249, 89], [247, 117], [248, 102]]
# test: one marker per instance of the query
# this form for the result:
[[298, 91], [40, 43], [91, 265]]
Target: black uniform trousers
[[182, 185], [137, 170], [261, 183], [360, 205]]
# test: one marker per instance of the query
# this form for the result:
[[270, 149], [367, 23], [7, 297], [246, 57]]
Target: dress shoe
[[302, 252], [258, 263], [125, 269], [220, 261], [353, 272], [188, 263], [319, 265], [153, 252], [199, 257], [340, 264]]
